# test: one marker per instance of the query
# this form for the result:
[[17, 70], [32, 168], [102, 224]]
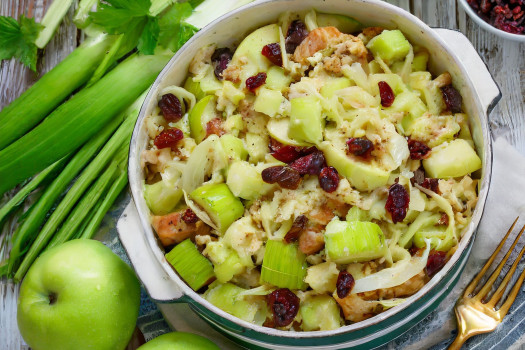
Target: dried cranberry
[[397, 202], [170, 107], [418, 149], [220, 59], [273, 53], [189, 216], [297, 227], [329, 179], [431, 184], [284, 305], [310, 164], [295, 35], [386, 94], [345, 283], [360, 146], [285, 176], [168, 138], [436, 261], [284, 153], [214, 127], [452, 98], [252, 83]]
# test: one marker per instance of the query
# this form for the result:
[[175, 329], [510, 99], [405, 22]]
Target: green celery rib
[[49, 91], [119, 139], [107, 202], [87, 219], [84, 206], [37, 213], [78, 119], [81, 18], [54, 14], [38, 180]]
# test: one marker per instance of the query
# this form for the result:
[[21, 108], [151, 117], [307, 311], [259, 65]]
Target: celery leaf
[[17, 39], [173, 31]]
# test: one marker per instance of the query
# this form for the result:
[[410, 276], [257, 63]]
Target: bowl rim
[[468, 233], [487, 26]]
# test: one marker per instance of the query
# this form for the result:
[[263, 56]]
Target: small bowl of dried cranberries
[[505, 18]]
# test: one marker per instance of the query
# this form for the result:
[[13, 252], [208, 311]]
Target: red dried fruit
[[220, 59], [284, 305], [436, 261], [452, 98], [360, 146], [252, 83], [329, 179], [295, 35], [297, 227], [170, 107], [273, 53], [386, 94], [189, 216], [499, 14], [443, 220], [397, 202], [284, 153], [345, 283], [414, 250], [168, 138], [214, 126], [418, 149], [285, 176], [310, 164], [431, 184]]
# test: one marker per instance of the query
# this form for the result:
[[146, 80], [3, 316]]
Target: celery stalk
[[27, 231], [49, 91], [38, 180], [77, 120], [107, 202], [54, 14], [81, 18]]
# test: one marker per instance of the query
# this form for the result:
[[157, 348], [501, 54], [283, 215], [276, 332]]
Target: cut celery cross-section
[[354, 241], [191, 265], [284, 265]]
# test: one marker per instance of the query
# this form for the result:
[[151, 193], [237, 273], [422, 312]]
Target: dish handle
[[484, 84], [156, 281]]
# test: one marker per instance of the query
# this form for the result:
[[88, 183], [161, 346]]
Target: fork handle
[[458, 342]]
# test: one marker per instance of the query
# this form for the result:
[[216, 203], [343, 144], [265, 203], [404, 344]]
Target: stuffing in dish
[[313, 176]]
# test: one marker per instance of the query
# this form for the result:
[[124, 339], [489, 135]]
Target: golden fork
[[473, 313]]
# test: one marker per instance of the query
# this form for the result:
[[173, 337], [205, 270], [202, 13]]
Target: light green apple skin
[[179, 341], [97, 299]]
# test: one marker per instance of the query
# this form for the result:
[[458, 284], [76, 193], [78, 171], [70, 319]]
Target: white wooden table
[[505, 59]]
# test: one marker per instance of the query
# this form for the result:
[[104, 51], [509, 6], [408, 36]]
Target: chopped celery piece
[[320, 313], [200, 115], [268, 102], [333, 85], [276, 79], [54, 14], [220, 204], [195, 88], [233, 147], [344, 23], [453, 159], [424, 219], [161, 198], [436, 234], [361, 175], [227, 297], [279, 130], [306, 124], [419, 64], [284, 265], [356, 214], [245, 181], [355, 241], [390, 45], [191, 265]]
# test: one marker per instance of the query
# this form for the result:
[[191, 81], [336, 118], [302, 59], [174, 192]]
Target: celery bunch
[[76, 151]]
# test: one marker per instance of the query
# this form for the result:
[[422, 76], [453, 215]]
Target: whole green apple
[[179, 341], [78, 295]]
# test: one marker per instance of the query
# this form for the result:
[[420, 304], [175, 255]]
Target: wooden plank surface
[[505, 59]]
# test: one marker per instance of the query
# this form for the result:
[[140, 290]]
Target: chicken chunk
[[172, 229], [318, 39], [311, 240]]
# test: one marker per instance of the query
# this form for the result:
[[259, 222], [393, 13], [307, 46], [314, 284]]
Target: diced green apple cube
[[233, 147], [453, 159], [321, 313], [161, 198], [279, 130], [268, 102], [245, 181], [344, 23], [200, 115], [306, 124], [331, 86], [276, 79], [390, 45], [194, 87]]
